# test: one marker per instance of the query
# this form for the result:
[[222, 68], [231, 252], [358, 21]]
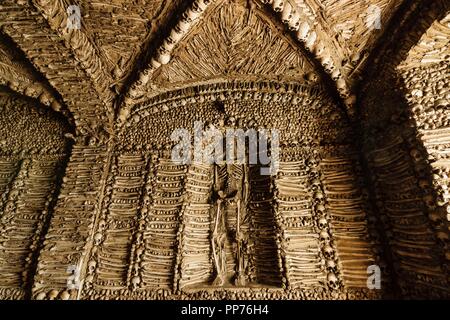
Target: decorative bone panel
[[364, 149], [407, 157], [21, 118], [57, 14], [266, 256], [241, 104], [18, 74], [30, 30], [30, 169], [194, 256], [433, 47], [113, 241], [355, 24], [430, 100], [9, 167]]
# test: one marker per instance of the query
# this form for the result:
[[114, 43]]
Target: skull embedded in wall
[[442, 236], [286, 14], [328, 252], [336, 74], [324, 236], [98, 238], [294, 21], [322, 223], [102, 224], [135, 281], [424, 184], [319, 195], [331, 266], [417, 156], [278, 5], [10, 206], [92, 264], [333, 281], [435, 217]]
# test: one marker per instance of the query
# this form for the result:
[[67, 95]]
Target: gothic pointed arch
[[34, 148], [406, 141]]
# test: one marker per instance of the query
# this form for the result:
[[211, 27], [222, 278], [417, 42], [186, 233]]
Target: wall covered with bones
[[92, 205]]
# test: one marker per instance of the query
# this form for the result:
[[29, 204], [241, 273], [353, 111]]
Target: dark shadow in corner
[[383, 113]]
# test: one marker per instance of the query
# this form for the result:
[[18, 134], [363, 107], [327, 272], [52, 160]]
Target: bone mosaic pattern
[[92, 205], [228, 54]]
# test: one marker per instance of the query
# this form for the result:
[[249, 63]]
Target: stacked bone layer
[[196, 263], [162, 225], [401, 202], [25, 214], [8, 170], [266, 259], [114, 252], [300, 240]]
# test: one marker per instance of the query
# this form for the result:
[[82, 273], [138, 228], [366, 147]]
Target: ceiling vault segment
[[56, 56], [55, 11], [19, 75], [405, 35], [162, 54], [299, 19]]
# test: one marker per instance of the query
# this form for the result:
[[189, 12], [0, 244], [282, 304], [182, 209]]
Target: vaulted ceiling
[[127, 51]]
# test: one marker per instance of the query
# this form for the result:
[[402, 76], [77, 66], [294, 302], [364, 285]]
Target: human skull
[[328, 252], [341, 84], [311, 40], [139, 252], [182, 27], [278, 5], [333, 281], [102, 224], [319, 195], [303, 31], [421, 170], [237, 95], [423, 183], [417, 156], [286, 14], [322, 223], [247, 95], [286, 98], [320, 48], [429, 201], [10, 206], [257, 95], [324, 236], [331, 266], [336, 74], [276, 97], [92, 264], [442, 236], [202, 4], [294, 21], [434, 216]]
